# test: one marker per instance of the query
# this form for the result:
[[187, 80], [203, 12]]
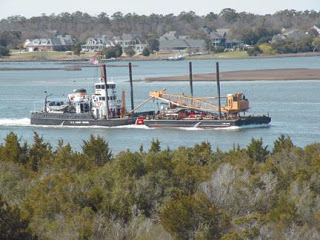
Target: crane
[[235, 102]]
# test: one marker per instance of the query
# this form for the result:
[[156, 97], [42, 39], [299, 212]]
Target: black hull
[[211, 123], [74, 119]]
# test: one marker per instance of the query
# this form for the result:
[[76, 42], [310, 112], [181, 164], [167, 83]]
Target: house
[[223, 31], [215, 38], [172, 35], [59, 43], [294, 34], [171, 42], [191, 45], [234, 44], [127, 40], [96, 44]]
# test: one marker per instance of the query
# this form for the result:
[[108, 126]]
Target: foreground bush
[[189, 193]]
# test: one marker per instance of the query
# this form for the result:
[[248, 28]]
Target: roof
[[56, 41], [223, 31], [182, 43], [234, 41], [214, 35], [169, 36]]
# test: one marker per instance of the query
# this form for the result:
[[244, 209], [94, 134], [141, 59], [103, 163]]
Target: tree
[[129, 51], [210, 17], [111, 52], [153, 43], [254, 51], [97, 149], [192, 216], [257, 151], [76, 49], [230, 15], [118, 50], [10, 39], [146, 52], [316, 44], [12, 150], [4, 51], [11, 225], [155, 146], [282, 143], [40, 152], [305, 44]]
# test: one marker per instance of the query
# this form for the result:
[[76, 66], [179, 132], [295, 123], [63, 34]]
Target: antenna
[[131, 85], [190, 77]]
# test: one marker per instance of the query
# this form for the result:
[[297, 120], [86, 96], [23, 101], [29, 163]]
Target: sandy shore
[[250, 75]]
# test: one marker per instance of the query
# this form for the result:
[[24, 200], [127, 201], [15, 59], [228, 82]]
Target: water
[[293, 105]]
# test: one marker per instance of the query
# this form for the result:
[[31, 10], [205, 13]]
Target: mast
[[104, 78], [131, 85], [218, 87], [190, 77]]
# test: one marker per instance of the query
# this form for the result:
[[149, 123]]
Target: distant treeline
[[83, 25], [257, 192]]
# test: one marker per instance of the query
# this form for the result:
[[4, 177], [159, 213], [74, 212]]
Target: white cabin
[[99, 107]]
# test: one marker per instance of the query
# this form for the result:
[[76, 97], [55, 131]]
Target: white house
[[59, 43], [127, 40], [96, 44]]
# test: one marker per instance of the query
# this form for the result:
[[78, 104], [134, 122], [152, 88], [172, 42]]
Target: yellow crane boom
[[186, 101], [235, 102]]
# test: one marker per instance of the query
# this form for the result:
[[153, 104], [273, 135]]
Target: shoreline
[[248, 75], [155, 58]]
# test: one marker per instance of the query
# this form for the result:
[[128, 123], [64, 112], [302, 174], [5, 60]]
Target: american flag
[[94, 61]]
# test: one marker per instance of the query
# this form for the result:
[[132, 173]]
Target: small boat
[[103, 108], [177, 57]]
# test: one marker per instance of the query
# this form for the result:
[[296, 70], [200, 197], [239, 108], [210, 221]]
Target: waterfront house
[[96, 44], [58, 43], [234, 44], [127, 40], [171, 42], [294, 34], [215, 38]]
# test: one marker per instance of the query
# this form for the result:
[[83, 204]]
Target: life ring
[[140, 121], [99, 104]]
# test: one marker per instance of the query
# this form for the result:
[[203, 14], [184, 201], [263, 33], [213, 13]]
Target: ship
[[200, 112], [184, 111], [102, 108]]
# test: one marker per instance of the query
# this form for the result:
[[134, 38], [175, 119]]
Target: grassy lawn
[[236, 54], [16, 55], [25, 56]]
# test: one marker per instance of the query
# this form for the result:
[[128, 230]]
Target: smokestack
[[104, 78], [190, 77]]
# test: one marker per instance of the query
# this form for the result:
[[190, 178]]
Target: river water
[[293, 105]]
